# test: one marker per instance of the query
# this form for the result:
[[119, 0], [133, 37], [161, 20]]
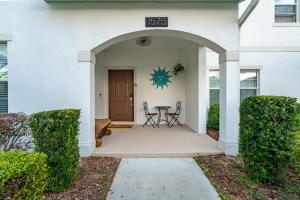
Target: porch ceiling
[[183, 1]]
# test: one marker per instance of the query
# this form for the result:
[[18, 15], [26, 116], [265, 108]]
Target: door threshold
[[122, 122]]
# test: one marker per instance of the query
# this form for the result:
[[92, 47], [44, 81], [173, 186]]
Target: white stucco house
[[60, 53]]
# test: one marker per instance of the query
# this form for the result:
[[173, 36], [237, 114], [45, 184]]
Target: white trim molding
[[120, 1], [250, 67], [254, 67], [86, 56], [230, 147], [252, 5], [229, 56], [271, 49], [5, 36], [86, 148], [295, 24]]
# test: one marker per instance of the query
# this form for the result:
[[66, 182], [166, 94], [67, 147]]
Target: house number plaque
[[156, 21]]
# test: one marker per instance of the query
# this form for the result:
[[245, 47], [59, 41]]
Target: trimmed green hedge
[[22, 175], [297, 148], [56, 134], [298, 116], [213, 116], [267, 136]]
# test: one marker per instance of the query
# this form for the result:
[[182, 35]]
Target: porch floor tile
[[156, 142]]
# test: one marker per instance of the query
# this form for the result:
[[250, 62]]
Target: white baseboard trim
[[229, 148], [86, 148]]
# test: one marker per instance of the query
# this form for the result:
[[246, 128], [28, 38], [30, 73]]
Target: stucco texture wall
[[143, 62], [279, 74], [44, 72], [260, 30]]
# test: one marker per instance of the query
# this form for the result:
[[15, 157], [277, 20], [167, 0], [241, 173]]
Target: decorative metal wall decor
[[161, 77]]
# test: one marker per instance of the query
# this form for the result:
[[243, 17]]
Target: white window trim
[[257, 88], [213, 88], [5, 37], [292, 24]]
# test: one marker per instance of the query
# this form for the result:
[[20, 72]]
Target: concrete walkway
[[160, 179]]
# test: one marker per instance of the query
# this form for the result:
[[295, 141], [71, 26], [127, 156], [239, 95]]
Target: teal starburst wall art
[[160, 77]]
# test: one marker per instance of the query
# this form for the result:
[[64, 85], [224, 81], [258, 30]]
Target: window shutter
[[3, 96], [3, 79], [3, 54]]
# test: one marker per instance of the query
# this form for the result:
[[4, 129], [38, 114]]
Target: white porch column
[[203, 94], [87, 122], [229, 102]]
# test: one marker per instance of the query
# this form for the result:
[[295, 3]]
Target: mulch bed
[[213, 133], [93, 182], [227, 175]]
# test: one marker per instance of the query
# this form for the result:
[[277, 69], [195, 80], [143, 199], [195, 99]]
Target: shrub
[[22, 175], [56, 134], [267, 138], [297, 153], [14, 132], [298, 116], [297, 148], [213, 116]]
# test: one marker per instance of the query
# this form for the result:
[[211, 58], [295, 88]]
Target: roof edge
[[146, 1]]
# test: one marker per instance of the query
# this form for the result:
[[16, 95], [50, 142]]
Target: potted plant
[[178, 68]]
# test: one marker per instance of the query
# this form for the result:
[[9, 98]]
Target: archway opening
[[162, 49], [161, 32]]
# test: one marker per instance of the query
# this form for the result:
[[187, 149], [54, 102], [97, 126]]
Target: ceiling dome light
[[143, 42]]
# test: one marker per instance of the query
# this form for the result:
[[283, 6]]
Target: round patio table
[[160, 119]]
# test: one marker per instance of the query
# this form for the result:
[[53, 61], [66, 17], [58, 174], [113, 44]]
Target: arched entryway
[[229, 86]]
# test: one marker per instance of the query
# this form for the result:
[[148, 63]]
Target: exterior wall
[[142, 62], [260, 31], [92, 24], [192, 87], [279, 74], [274, 47], [196, 88], [44, 72], [278, 71]]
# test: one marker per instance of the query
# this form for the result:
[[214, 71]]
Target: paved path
[[160, 179]]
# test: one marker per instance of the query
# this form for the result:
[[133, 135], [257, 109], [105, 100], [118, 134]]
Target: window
[[286, 11], [214, 86], [3, 78], [248, 84]]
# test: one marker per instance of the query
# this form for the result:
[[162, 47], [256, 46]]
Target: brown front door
[[121, 95]]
